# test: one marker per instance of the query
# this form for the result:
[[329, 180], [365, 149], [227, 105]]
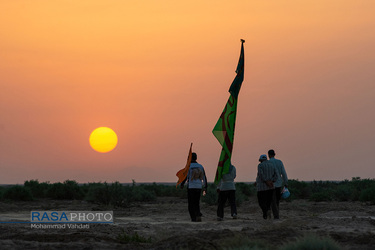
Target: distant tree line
[[122, 195]]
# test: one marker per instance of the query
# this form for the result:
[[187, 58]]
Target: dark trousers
[[223, 197], [194, 196], [275, 202], [265, 200]]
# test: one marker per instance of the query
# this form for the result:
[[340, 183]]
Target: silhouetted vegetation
[[68, 190], [18, 193], [354, 190], [122, 195], [117, 195], [2, 191]]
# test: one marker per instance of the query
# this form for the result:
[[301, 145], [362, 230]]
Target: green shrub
[[368, 195], [56, 191], [69, 190], [39, 190], [361, 184], [139, 193], [117, 194], [2, 191], [321, 196], [164, 190], [247, 190], [18, 193], [99, 193], [319, 186], [343, 193], [73, 190], [299, 189], [312, 242]]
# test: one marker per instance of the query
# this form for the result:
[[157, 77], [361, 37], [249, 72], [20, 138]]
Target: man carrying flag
[[195, 176], [224, 128], [196, 181]]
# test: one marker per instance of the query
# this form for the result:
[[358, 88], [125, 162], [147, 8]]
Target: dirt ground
[[166, 224]]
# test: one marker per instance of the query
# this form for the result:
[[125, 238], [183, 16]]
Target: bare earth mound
[[165, 224]]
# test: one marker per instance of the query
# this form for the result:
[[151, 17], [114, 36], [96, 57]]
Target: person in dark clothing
[[282, 180], [227, 191], [267, 175]]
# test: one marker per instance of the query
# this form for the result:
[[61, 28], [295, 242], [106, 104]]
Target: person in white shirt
[[197, 181]]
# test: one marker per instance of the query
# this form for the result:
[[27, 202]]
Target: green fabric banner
[[224, 128]]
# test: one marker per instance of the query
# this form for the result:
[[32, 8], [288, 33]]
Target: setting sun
[[103, 139]]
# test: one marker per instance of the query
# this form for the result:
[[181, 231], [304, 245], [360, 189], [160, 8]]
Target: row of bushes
[[114, 194], [117, 194], [355, 190]]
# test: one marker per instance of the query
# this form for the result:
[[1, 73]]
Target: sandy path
[[167, 223]]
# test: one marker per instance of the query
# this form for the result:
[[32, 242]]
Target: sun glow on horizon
[[103, 139]]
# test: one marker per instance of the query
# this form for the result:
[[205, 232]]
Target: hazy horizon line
[[174, 183]]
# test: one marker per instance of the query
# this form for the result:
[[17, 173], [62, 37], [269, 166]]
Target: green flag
[[224, 128]]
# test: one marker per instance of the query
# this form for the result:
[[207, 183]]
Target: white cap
[[263, 157]]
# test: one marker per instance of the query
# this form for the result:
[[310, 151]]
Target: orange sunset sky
[[158, 74]]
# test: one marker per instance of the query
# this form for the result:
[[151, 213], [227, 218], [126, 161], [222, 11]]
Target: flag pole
[[225, 126]]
